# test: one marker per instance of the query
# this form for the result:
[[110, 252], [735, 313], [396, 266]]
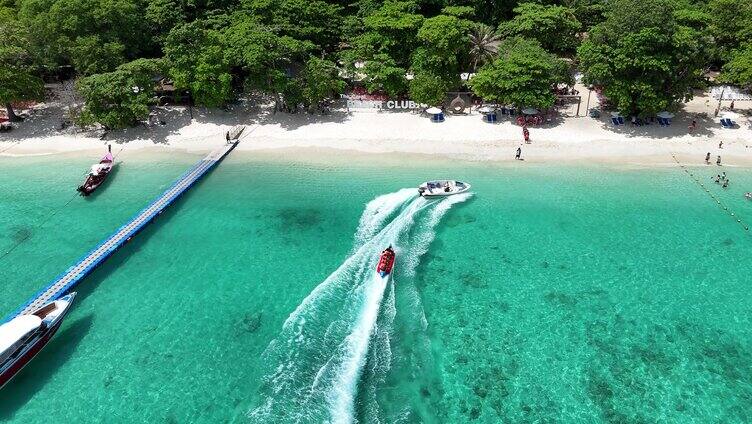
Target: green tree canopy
[[266, 59], [428, 88], [523, 75], [320, 81], [436, 65], [197, 62], [730, 25], [382, 73], [385, 46], [739, 69], [555, 27], [122, 97], [644, 59], [315, 21], [18, 80], [64, 29]]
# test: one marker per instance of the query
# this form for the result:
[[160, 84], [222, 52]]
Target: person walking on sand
[[707, 159], [718, 161], [720, 144], [518, 156]]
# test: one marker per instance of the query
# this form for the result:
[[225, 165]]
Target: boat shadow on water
[[113, 173], [35, 375]]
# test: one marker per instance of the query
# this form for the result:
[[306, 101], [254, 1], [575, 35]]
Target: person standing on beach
[[519, 153], [707, 159], [720, 144], [718, 161]]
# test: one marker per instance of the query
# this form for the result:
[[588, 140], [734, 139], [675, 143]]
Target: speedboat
[[386, 262], [438, 188], [97, 174], [25, 335]]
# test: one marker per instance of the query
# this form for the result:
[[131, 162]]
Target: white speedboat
[[25, 335], [438, 188]]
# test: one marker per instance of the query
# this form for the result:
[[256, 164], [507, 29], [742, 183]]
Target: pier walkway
[[73, 275]]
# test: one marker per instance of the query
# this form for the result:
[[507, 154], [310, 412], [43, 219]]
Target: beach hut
[[437, 115], [664, 118], [617, 119], [489, 114]]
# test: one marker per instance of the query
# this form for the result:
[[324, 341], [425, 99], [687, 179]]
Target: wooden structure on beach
[[83, 267]]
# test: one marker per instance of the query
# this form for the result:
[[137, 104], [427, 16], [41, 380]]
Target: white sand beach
[[464, 137]]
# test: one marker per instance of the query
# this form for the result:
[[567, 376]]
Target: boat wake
[[317, 360]]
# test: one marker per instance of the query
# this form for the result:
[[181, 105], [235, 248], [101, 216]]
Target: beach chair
[[621, 120], [615, 121], [661, 122], [725, 124]]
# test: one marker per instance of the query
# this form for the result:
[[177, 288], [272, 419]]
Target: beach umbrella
[[665, 115], [615, 114], [729, 115], [485, 109], [530, 111], [433, 110]]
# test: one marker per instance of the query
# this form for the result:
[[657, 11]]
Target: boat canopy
[[16, 329]]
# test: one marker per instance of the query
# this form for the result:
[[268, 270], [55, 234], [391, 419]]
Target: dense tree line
[[646, 55]]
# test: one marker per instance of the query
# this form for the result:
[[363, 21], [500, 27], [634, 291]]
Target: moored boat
[[386, 262], [438, 188], [98, 174], [25, 335]]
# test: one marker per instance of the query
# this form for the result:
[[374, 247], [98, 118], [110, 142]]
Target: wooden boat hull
[[98, 175], [92, 183]]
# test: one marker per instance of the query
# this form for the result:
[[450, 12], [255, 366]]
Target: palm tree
[[484, 44]]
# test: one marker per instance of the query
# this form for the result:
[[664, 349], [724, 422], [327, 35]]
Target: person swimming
[[718, 178]]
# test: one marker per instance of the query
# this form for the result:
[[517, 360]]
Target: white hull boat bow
[[437, 188]]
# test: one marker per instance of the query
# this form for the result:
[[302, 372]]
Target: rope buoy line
[[47, 219], [12, 145], [54, 212], [712, 196], [41, 224]]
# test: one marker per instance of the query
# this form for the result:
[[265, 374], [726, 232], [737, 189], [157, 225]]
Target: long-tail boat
[[97, 174]]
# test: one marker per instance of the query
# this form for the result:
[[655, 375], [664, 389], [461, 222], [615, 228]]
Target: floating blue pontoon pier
[[73, 275]]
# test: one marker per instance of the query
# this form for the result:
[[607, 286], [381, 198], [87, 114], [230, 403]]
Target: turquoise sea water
[[553, 294]]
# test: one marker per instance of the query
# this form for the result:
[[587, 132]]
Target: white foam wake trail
[[419, 246], [342, 396], [365, 253], [319, 356], [379, 210]]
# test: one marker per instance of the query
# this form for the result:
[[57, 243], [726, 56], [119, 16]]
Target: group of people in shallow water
[[722, 179]]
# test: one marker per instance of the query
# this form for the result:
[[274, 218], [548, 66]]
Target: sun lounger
[[615, 121]]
